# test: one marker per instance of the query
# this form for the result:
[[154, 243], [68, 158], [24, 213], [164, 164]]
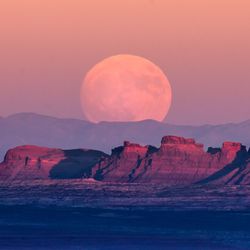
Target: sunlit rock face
[[32, 162], [178, 161], [122, 163], [230, 149], [29, 162]]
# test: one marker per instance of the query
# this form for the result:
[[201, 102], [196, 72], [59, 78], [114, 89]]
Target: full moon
[[125, 88]]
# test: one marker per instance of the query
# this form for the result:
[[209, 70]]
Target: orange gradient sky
[[47, 46]]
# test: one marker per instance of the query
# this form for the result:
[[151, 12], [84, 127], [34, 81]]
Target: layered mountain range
[[177, 161]]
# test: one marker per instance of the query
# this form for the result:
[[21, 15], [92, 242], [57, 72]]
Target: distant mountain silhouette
[[34, 129]]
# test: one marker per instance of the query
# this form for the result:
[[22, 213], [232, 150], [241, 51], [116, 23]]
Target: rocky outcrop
[[32, 162], [178, 161], [235, 173]]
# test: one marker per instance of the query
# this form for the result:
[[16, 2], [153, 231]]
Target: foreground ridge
[[178, 161]]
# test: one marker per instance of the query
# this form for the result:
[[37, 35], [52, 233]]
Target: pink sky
[[47, 46]]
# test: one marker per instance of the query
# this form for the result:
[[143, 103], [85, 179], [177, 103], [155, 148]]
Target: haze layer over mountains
[[34, 129]]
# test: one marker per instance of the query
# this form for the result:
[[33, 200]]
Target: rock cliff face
[[32, 162], [235, 173], [177, 161]]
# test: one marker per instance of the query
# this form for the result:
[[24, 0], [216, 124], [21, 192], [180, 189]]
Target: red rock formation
[[230, 149], [32, 162], [177, 161], [235, 173], [127, 156], [29, 162]]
